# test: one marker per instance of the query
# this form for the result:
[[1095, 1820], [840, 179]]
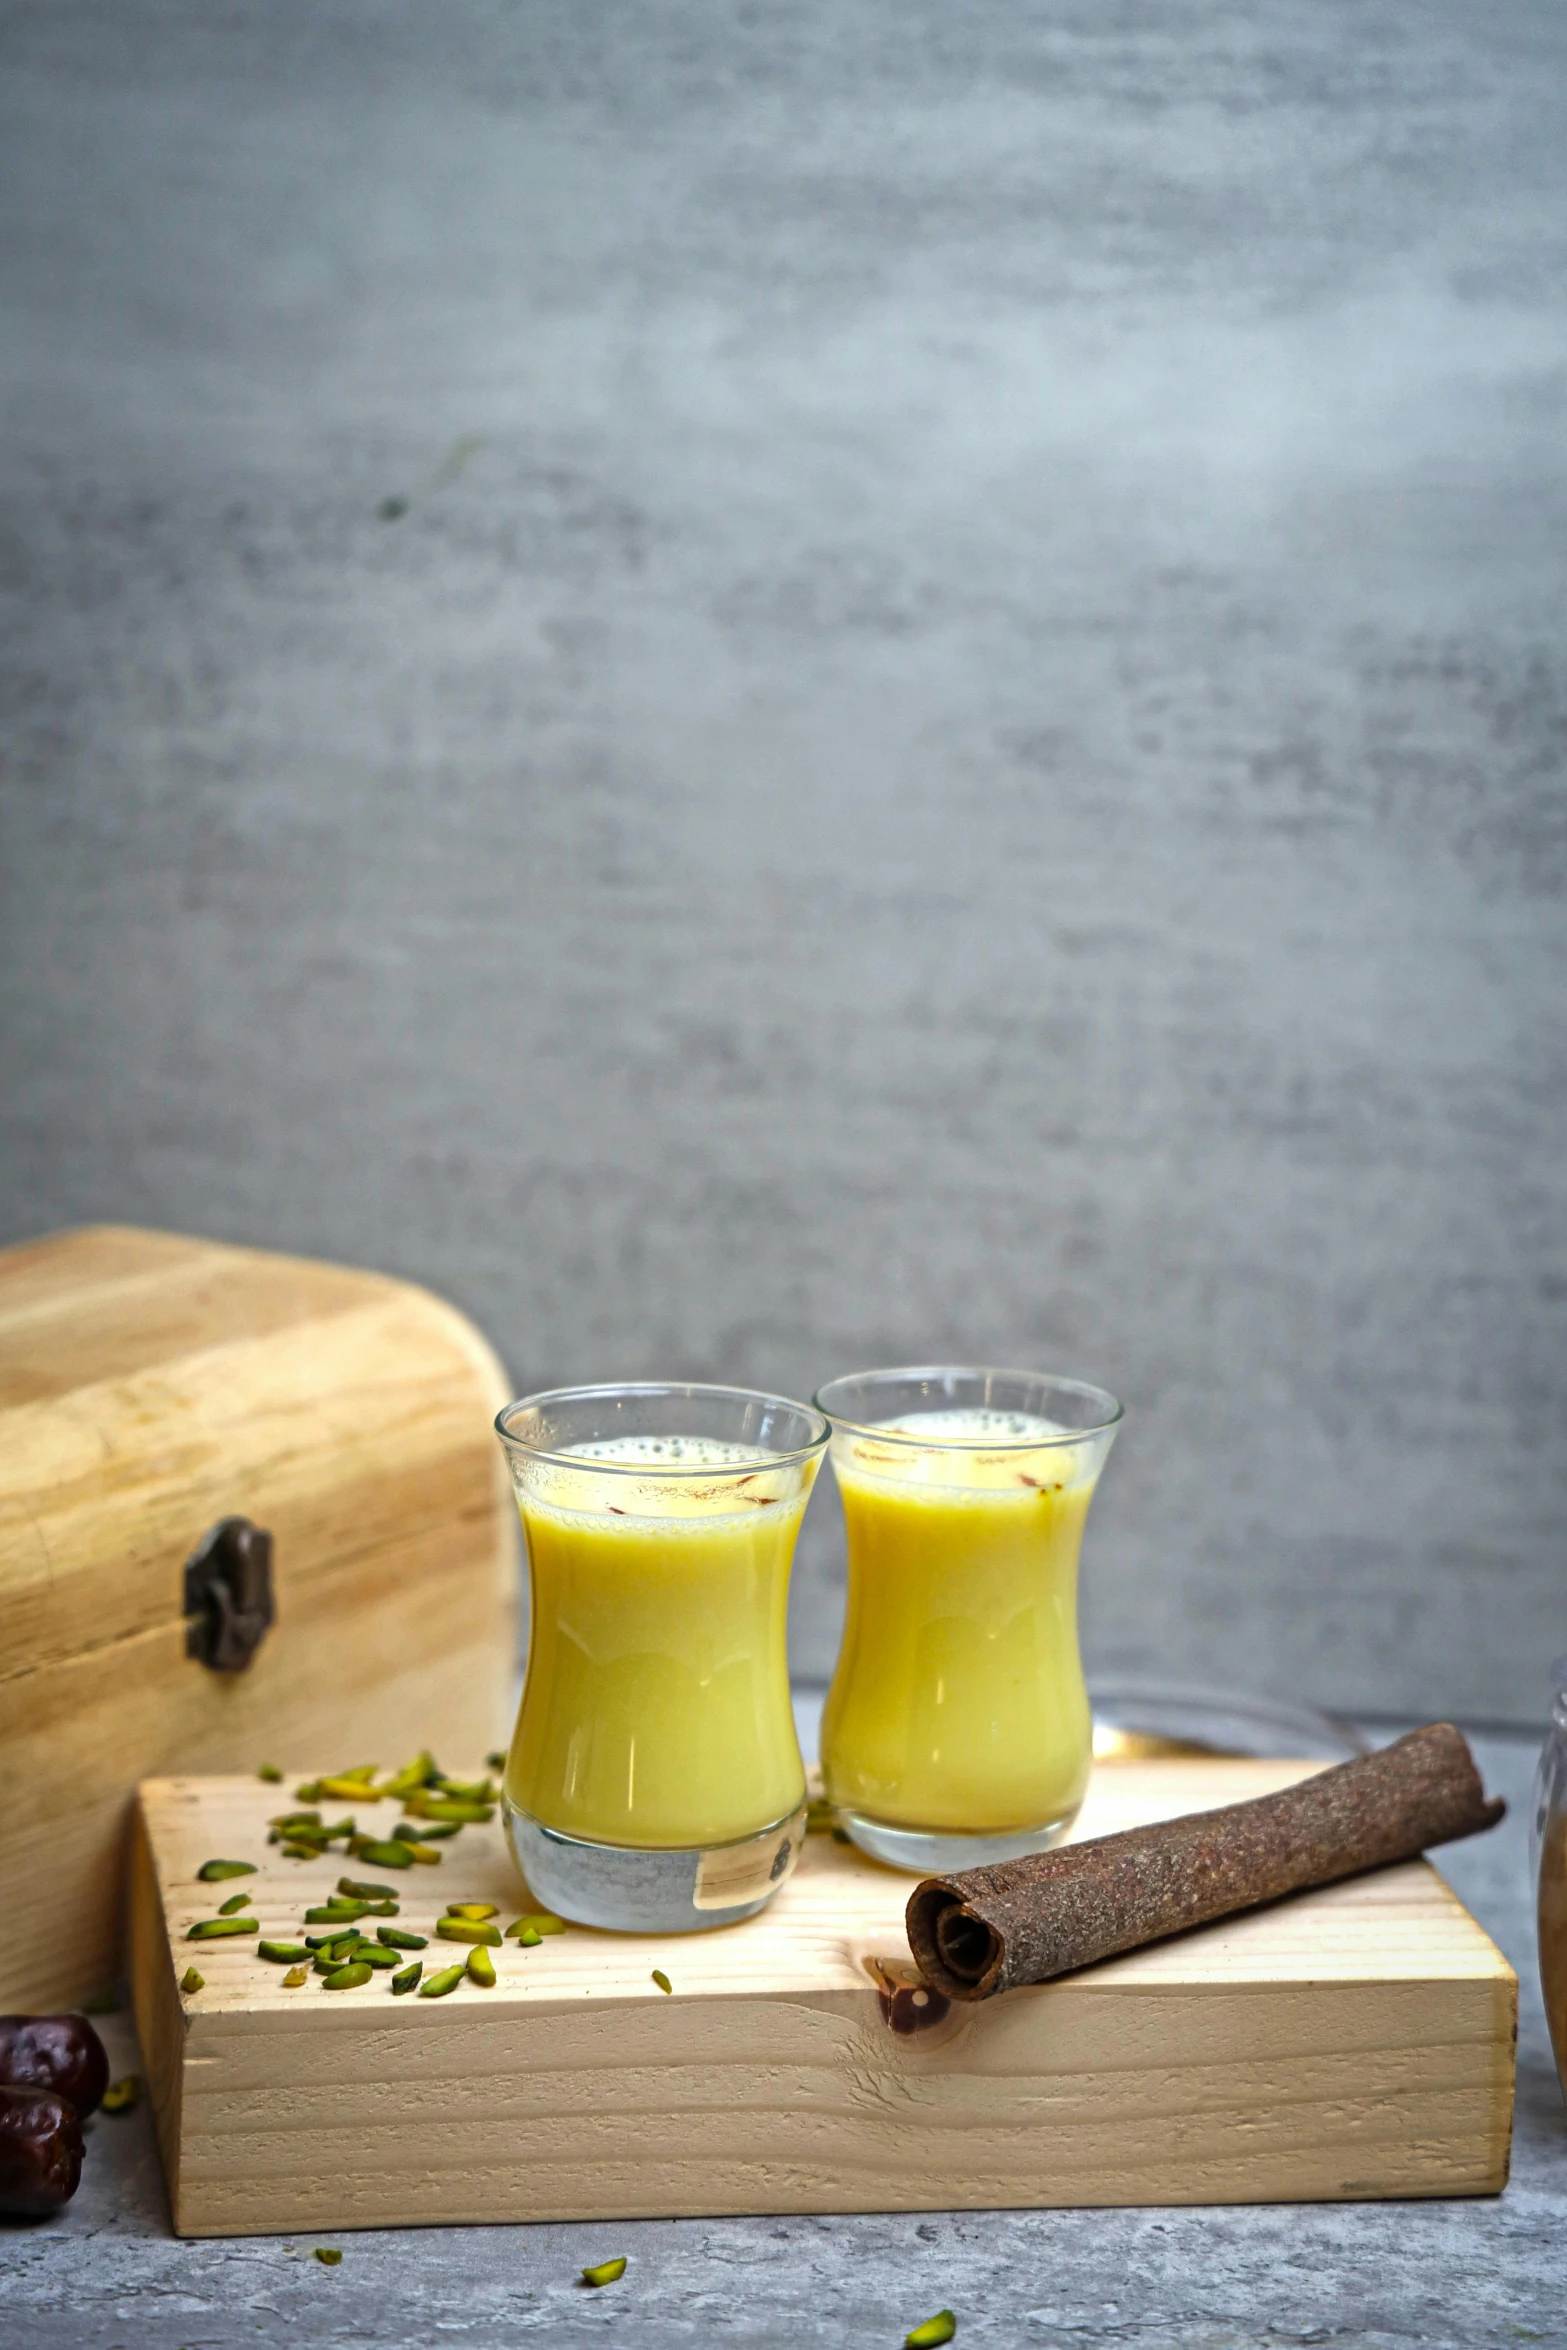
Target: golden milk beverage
[[654, 1779], [957, 1726]]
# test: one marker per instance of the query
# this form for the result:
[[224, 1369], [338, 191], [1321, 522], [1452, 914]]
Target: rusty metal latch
[[228, 1594]]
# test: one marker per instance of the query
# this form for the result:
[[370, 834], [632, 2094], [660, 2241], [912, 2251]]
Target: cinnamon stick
[[1027, 1921]]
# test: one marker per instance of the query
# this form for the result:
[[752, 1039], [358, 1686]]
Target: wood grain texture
[[1357, 2042], [150, 1385]]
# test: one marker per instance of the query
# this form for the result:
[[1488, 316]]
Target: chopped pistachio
[[426, 1831], [608, 2272], [408, 1978], [295, 1977], [662, 1980], [372, 1954], [496, 1762], [269, 1772], [933, 2332], [536, 1922], [477, 1910], [211, 1872], [399, 1938], [481, 1968], [120, 2096], [359, 1889], [530, 1937], [465, 1791], [285, 1953], [327, 1913], [451, 1929], [329, 2256], [412, 1775], [191, 1982], [387, 1854], [212, 1929], [347, 1978], [234, 1904], [438, 1985], [461, 1811]]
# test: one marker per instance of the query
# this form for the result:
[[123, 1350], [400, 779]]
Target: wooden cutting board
[[1355, 2042]]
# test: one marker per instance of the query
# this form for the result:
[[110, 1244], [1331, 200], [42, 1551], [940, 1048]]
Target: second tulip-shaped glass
[[957, 1729]]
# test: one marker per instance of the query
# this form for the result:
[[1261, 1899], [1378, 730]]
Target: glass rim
[[761, 1458], [1111, 1417]]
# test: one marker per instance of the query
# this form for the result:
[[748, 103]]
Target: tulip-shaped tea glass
[[654, 1782], [957, 1730]]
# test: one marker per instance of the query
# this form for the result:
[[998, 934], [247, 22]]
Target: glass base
[[632, 1891], [942, 1852]]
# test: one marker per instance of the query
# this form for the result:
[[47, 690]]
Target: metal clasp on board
[[228, 1594]]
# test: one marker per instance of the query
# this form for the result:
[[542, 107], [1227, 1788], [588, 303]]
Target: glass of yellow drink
[[654, 1782], [957, 1731]]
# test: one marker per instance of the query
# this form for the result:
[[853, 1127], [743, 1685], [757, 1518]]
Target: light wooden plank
[[1355, 2042]]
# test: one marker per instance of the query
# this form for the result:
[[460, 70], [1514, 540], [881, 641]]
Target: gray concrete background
[[959, 750], [1446, 2275]]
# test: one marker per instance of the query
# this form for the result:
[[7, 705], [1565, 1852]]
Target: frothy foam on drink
[[976, 1424], [671, 1452]]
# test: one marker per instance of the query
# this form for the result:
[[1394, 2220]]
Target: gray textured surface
[[1385, 2275], [960, 750]]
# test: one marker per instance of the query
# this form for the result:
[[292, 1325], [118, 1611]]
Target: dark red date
[[40, 2152], [58, 2052]]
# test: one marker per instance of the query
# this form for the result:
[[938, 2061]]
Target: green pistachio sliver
[[347, 1978], [332, 1941], [497, 1762], [212, 1872], [426, 1831], [481, 1968], [191, 1982], [388, 1854], [304, 1851], [234, 1904], [120, 2096], [427, 1855], [662, 1980], [329, 2256], [608, 2272], [407, 1979], [462, 1815], [372, 1954], [933, 2332], [358, 1889], [295, 1977], [411, 1776], [284, 1953], [295, 1819], [478, 1911], [536, 1924], [399, 1938], [213, 1929], [465, 1791], [271, 1773], [529, 1937], [467, 1930], [326, 1911], [438, 1985]]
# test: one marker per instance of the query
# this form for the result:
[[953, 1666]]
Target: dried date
[[61, 2053], [40, 2152]]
